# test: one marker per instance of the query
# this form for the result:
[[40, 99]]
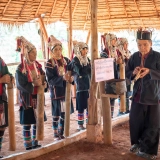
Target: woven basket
[[115, 86]]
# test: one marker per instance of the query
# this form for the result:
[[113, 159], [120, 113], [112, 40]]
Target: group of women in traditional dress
[[30, 77], [144, 114], [117, 48]]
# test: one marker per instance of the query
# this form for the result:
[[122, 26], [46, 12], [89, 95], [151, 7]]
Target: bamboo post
[[17, 96], [106, 111], [123, 96], [68, 85], [44, 34], [88, 36], [11, 118], [68, 106], [40, 112], [94, 133]]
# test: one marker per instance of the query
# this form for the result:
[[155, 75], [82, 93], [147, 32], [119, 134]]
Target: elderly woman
[[56, 71], [81, 68], [28, 79]]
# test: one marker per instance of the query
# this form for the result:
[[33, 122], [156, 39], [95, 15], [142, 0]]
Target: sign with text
[[104, 69]]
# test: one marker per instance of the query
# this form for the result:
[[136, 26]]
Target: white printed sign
[[104, 69]]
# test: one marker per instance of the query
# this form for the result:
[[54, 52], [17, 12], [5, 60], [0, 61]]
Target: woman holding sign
[[81, 68]]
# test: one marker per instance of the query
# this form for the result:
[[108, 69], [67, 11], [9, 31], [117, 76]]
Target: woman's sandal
[[146, 156]]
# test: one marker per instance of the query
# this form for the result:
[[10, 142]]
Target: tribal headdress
[[120, 46], [77, 51], [145, 34], [24, 46], [107, 38], [53, 42], [106, 42]]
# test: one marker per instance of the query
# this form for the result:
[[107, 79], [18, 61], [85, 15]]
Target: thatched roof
[[112, 14]]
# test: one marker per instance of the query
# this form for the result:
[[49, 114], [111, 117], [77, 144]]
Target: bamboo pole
[[106, 112], [68, 108], [68, 85], [94, 133], [40, 112], [11, 117], [92, 107], [88, 36], [123, 96], [45, 36]]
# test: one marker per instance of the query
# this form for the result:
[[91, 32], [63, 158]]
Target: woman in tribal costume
[[28, 79], [5, 77], [125, 54], [81, 70], [110, 50], [56, 72]]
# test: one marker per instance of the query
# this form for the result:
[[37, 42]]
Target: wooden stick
[[40, 112], [123, 96], [11, 118], [68, 106], [106, 111]]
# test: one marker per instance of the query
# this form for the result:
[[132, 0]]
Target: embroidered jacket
[[82, 74], [3, 71], [57, 85], [27, 96]]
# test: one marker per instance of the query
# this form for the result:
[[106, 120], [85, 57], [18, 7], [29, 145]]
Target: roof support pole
[[94, 133], [44, 39], [68, 85]]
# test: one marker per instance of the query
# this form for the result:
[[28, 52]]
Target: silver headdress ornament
[[120, 46], [108, 38], [77, 51], [24, 44], [53, 42]]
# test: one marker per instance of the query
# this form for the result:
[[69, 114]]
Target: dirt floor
[[81, 150]]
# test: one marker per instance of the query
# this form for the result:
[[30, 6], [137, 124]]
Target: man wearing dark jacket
[[144, 68]]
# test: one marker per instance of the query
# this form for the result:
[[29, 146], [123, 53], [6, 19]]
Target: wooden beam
[[88, 36], [126, 14], [107, 3], [75, 8], [65, 8], [53, 7], [92, 118], [154, 4], [38, 7], [68, 85], [6, 7], [88, 11], [43, 29], [22, 8], [135, 1]]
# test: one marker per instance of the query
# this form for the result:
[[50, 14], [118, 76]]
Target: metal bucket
[[115, 86]]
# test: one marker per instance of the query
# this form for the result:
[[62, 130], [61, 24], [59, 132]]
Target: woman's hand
[[37, 82], [144, 72], [71, 79], [5, 79], [136, 70], [66, 77], [119, 60]]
